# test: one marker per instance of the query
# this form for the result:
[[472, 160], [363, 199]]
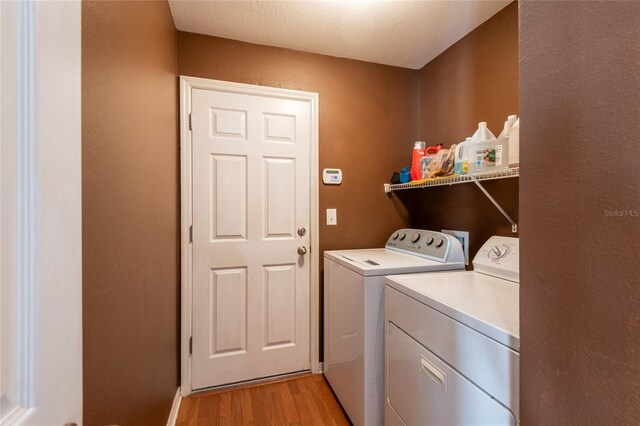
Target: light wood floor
[[306, 400]]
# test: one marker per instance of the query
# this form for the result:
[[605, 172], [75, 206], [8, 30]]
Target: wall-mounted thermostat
[[332, 176]]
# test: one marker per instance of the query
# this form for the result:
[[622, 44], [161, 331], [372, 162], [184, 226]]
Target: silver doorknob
[[302, 250], [302, 231]]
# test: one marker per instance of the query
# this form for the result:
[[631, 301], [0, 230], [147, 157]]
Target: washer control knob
[[415, 237], [429, 240], [395, 236], [439, 242], [402, 236], [498, 252]]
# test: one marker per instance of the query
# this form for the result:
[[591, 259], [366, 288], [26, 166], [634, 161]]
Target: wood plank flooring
[[306, 400]]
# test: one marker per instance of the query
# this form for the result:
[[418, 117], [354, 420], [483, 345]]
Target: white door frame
[[187, 84], [41, 212]]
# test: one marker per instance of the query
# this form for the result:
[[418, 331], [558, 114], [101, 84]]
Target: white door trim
[[40, 213], [175, 409], [19, 175], [187, 84]]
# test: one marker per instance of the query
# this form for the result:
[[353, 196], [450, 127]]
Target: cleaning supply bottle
[[514, 144], [435, 149], [419, 151], [465, 160], [460, 165], [481, 150], [502, 146]]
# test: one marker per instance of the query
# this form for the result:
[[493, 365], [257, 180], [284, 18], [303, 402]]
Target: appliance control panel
[[429, 244], [499, 257]]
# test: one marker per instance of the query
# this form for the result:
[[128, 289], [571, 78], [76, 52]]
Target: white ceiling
[[403, 33]]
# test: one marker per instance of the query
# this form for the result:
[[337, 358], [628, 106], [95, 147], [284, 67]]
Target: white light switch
[[332, 217]]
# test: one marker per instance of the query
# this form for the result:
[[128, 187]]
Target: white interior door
[[250, 180]]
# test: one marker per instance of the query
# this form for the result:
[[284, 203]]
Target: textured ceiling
[[402, 33]]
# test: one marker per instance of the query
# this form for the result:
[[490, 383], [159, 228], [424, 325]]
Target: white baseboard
[[321, 367], [173, 416]]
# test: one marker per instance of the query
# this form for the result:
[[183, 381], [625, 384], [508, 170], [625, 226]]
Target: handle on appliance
[[436, 375], [345, 257]]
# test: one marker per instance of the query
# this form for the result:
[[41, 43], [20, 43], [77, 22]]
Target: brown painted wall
[[474, 80], [130, 212], [367, 124], [580, 262]]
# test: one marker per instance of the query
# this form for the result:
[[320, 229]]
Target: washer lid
[[371, 262], [487, 304]]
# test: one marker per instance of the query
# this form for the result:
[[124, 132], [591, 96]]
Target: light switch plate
[[332, 217], [463, 237]]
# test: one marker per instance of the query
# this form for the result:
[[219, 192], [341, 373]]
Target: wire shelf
[[454, 179]]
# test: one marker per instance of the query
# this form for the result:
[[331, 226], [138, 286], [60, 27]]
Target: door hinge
[[190, 125], [190, 345], [191, 233]]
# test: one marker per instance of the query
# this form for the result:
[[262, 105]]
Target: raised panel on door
[[279, 306], [228, 123], [228, 198], [280, 197], [227, 312], [279, 128]]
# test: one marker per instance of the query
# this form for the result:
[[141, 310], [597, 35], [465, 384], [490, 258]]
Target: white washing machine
[[452, 343], [354, 313]]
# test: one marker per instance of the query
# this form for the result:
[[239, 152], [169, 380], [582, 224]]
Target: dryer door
[[424, 390]]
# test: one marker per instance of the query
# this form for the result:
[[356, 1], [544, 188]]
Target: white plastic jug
[[481, 150], [460, 165], [514, 144], [502, 146]]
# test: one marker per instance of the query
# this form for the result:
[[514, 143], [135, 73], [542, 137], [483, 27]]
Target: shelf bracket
[[514, 226]]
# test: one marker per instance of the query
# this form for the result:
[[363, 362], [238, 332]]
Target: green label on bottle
[[485, 157], [491, 157]]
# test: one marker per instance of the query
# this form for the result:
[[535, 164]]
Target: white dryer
[[452, 343], [354, 313]]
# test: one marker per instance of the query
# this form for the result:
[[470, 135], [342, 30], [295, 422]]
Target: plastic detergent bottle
[[502, 146], [460, 165], [435, 149], [465, 160], [514, 144], [429, 154], [481, 150], [419, 151]]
